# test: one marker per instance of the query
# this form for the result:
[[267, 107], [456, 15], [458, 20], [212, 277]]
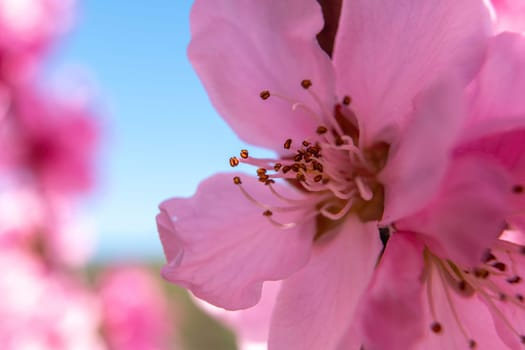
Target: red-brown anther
[[318, 178], [481, 273], [298, 157], [277, 166], [502, 297], [306, 83], [307, 157], [514, 279], [261, 171], [237, 180], [234, 162], [522, 339], [317, 166], [300, 177], [522, 250], [288, 144], [519, 297], [269, 182], [244, 154], [321, 130], [518, 189], [472, 344], [302, 166], [295, 167], [436, 327], [263, 178], [462, 285], [339, 141], [267, 213], [347, 100], [499, 266], [286, 169], [306, 143], [265, 94], [488, 257]]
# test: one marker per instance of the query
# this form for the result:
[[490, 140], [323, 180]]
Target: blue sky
[[162, 135]]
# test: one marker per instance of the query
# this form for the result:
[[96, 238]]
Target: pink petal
[[418, 162], [510, 14], [455, 312], [388, 51], [390, 315], [468, 214], [220, 246], [501, 81], [316, 305], [240, 48]]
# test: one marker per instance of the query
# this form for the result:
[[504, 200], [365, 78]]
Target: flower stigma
[[333, 167]]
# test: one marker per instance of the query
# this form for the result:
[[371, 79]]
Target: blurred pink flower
[[135, 310], [510, 15], [42, 309], [49, 143], [375, 157], [28, 28]]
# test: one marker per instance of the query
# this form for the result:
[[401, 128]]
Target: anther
[[488, 256], [499, 266], [306, 143], [261, 171], [519, 297], [502, 297], [267, 213], [347, 100], [237, 180], [514, 279], [472, 344], [318, 178], [300, 177], [244, 154], [522, 250], [286, 169], [288, 144], [269, 182], [436, 327], [462, 285], [306, 84], [481, 273], [234, 162], [321, 130], [518, 189], [265, 94], [277, 166], [298, 157], [522, 339]]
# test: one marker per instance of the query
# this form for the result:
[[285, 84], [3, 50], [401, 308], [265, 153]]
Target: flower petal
[[240, 48], [418, 162], [501, 81], [389, 316], [468, 214], [511, 15], [224, 248], [389, 51], [316, 305]]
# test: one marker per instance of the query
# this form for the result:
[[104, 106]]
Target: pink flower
[[42, 309], [49, 142], [437, 285], [510, 15], [363, 139], [136, 312], [28, 28]]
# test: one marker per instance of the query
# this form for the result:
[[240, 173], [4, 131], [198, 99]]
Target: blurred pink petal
[[510, 15], [135, 310]]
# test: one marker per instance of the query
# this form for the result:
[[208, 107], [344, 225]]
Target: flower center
[[332, 166], [496, 282]]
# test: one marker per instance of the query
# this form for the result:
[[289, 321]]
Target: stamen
[[244, 154], [288, 144], [365, 191], [265, 94], [234, 162]]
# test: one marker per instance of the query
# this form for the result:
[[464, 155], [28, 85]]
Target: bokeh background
[[123, 68]]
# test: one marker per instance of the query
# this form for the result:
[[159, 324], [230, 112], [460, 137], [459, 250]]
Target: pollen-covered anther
[[306, 83], [347, 100], [519, 298], [277, 166], [237, 180], [267, 213], [318, 178], [265, 94], [436, 327], [514, 279], [472, 344], [481, 273], [234, 161], [244, 154], [498, 265], [306, 143], [287, 144], [261, 171], [321, 130]]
